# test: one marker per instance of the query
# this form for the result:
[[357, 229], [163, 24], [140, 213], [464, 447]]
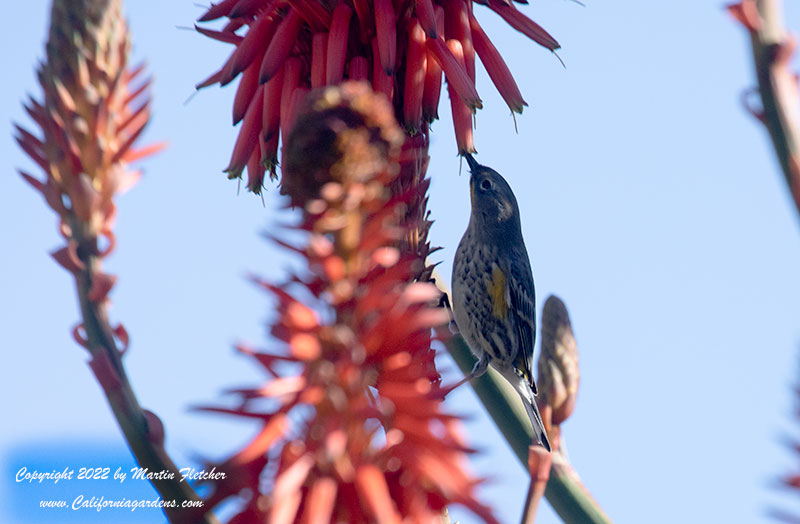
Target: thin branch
[[772, 50], [142, 429], [566, 494]]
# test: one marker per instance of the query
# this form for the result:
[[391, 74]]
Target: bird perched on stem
[[494, 303]]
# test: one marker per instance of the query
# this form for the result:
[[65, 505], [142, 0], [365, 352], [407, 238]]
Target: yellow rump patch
[[497, 290]]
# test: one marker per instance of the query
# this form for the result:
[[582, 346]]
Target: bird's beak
[[473, 164]]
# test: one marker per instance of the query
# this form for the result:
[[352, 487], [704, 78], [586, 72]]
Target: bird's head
[[493, 202]]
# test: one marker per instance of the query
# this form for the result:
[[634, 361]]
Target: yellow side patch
[[497, 290]]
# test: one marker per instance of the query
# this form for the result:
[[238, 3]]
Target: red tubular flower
[[358, 40], [375, 445]]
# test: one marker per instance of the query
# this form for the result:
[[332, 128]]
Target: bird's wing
[[523, 318]]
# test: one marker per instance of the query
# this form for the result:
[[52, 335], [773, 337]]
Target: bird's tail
[[529, 401]]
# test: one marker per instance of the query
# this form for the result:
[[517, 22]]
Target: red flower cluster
[[94, 110], [351, 430], [400, 47]]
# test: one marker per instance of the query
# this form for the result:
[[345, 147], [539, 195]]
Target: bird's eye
[[486, 184]]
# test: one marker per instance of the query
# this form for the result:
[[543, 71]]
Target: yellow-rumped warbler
[[494, 303]]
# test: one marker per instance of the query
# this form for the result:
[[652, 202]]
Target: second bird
[[494, 302]]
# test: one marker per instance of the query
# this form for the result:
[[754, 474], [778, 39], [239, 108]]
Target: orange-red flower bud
[[558, 372]]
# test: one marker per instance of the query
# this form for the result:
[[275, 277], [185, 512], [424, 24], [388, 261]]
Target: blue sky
[[651, 203]]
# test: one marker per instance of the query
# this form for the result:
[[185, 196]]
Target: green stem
[[777, 86], [148, 451], [566, 494]]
